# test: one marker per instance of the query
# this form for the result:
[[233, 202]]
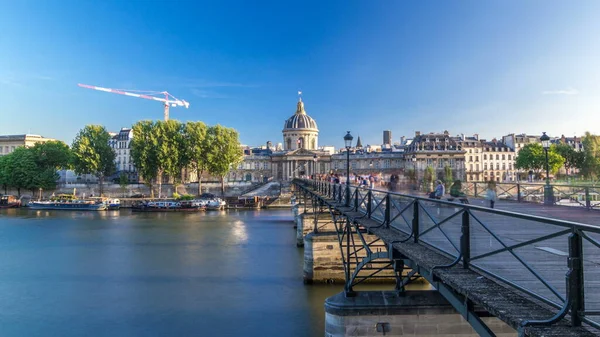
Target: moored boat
[[71, 205], [9, 201], [168, 206]]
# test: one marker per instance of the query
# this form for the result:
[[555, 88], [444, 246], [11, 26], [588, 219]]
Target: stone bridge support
[[414, 313]]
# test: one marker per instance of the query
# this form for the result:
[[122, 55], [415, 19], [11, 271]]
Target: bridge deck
[[507, 303]]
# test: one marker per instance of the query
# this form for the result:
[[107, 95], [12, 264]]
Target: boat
[[215, 204], [68, 202], [168, 206], [111, 204], [9, 201], [70, 205]]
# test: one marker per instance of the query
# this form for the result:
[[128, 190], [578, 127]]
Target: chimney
[[462, 136], [476, 136], [417, 133]]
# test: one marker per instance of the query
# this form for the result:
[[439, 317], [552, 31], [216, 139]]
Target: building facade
[[8, 143], [435, 150], [121, 144]]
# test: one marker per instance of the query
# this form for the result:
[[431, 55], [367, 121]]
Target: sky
[[488, 67]]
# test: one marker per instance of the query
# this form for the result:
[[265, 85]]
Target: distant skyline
[[491, 68]]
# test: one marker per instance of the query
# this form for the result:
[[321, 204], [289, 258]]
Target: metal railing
[[525, 252], [564, 195]]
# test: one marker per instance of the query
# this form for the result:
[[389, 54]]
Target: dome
[[300, 120]]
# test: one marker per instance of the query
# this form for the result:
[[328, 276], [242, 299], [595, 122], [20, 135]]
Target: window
[[503, 166], [477, 167], [497, 156], [484, 156], [509, 157], [470, 167], [503, 157], [440, 163], [497, 166], [485, 166], [470, 158]]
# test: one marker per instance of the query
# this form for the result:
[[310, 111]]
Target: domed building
[[301, 156], [300, 131]]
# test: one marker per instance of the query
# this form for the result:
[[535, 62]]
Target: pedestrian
[[490, 193], [439, 191]]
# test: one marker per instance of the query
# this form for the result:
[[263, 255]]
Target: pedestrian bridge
[[539, 275]]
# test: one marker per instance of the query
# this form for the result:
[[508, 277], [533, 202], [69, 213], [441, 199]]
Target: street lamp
[[348, 142], [414, 161], [315, 168], [548, 195]]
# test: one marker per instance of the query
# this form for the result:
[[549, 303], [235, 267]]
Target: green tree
[[224, 152], [123, 182], [52, 154], [144, 152], [448, 176], [196, 148], [590, 166], [428, 175], [21, 169], [92, 153], [533, 157], [4, 179], [572, 158], [168, 143]]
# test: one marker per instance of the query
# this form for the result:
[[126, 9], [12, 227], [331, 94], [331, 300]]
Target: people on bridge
[[439, 191], [490, 193]]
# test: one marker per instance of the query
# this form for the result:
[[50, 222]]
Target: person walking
[[490, 193]]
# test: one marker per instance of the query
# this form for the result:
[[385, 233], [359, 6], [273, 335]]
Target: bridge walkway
[[521, 260]]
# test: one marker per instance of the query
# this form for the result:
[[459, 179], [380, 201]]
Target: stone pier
[[413, 313], [305, 224]]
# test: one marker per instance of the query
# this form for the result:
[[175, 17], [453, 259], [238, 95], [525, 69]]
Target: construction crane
[[168, 100]]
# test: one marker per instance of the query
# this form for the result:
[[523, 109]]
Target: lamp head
[[348, 140]]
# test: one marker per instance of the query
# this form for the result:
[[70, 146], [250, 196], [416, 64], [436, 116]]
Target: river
[[149, 274]]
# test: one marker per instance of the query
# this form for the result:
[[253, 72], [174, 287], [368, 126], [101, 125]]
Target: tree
[[92, 154], [123, 182], [571, 157], [448, 176], [21, 170], [224, 152], [168, 144], [143, 152], [196, 148], [428, 175], [590, 166], [533, 157], [4, 180], [52, 154]]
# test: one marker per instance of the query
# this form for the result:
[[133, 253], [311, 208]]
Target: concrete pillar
[[323, 259], [415, 313], [305, 224]]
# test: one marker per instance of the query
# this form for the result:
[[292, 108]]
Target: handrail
[[387, 207]]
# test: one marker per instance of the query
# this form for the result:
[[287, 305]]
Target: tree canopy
[[533, 157], [590, 166], [92, 153], [224, 151]]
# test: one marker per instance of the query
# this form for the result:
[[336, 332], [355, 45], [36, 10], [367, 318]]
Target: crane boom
[[168, 100]]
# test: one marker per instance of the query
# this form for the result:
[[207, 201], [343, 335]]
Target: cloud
[[569, 91]]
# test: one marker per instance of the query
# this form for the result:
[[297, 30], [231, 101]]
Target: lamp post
[[348, 142], [548, 195], [414, 161], [315, 168]]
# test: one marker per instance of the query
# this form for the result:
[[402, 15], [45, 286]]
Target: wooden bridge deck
[[548, 258]]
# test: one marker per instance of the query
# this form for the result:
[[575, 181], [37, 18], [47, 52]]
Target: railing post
[[388, 207], [575, 290], [475, 189], [356, 199], [588, 203], [518, 192], [369, 200], [465, 240], [415, 221]]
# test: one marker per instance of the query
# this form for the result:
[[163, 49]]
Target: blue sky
[[487, 67]]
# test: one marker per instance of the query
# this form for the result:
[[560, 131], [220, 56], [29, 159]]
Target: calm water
[[127, 274]]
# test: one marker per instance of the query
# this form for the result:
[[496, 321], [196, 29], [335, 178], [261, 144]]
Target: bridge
[[538, 274]]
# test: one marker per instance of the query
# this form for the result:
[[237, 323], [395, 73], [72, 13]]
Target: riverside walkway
[[535, 267]]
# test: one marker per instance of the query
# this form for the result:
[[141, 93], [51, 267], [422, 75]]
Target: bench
[[462, 199]]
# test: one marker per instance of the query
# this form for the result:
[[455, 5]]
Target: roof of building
[[300, 120]]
